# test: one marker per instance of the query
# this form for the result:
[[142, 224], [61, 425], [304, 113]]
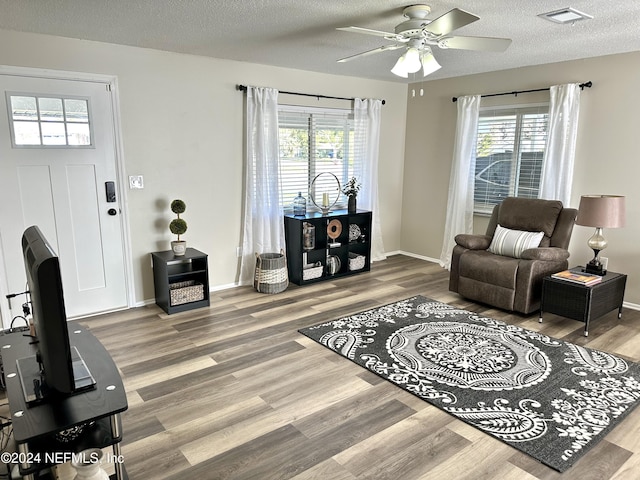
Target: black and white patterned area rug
[[550, 399]]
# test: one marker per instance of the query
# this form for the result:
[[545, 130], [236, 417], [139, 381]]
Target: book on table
[[578, 277]]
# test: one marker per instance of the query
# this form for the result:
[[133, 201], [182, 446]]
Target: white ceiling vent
[[565, 15]]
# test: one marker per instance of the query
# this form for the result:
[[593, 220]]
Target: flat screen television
[[57, 369]]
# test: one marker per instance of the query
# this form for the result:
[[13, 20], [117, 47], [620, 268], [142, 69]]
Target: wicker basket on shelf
[[271, 275], [356, 262], [312, 273], [185, 292]]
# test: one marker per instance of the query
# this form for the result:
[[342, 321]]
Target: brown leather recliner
[[506, 282]]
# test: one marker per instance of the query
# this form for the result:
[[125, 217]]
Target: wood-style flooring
[[235, 392]]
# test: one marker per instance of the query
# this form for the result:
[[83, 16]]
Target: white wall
[[182, 122], [606, 153]]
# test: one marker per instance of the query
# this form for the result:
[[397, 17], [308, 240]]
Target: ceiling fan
[[418, 34]]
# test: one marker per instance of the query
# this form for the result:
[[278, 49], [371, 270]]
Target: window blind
[[314, 141], [510, 152]]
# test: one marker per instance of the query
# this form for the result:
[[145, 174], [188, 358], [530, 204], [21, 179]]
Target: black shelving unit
[[169, 269], [354, 240]]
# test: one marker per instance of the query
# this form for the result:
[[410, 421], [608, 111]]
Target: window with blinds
[[313, 141], [510, 152]]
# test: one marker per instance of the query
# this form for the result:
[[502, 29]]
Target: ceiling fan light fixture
[[412, 61], [400, 68], [429, 63], [417, 33]]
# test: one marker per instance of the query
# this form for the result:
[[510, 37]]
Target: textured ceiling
[[302, 34]]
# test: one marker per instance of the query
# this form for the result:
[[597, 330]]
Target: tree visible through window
[[510, 152], [313, 141]]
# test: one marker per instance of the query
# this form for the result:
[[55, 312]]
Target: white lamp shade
[[429, 63], [412, 60], [399, 68]]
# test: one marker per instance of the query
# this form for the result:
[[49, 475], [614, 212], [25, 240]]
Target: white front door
[[57, 153]]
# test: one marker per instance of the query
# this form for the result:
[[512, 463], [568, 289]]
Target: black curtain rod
[[582, 86], [243, 88]]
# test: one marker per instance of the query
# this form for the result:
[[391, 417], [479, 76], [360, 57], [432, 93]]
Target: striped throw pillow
[[512, 243]]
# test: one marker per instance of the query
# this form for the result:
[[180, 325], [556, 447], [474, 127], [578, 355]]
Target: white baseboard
[[414, 255], [224, 287], [145, 303]]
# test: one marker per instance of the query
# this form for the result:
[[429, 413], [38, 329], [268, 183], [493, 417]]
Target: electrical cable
[[6, 425], [16, 318], [4, 443], [5, 437], [26, 310]]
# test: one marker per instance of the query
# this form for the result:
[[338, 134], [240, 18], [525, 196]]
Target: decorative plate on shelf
[[334, 229], [354, 232]]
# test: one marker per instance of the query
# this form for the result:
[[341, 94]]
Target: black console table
[[48, 432]]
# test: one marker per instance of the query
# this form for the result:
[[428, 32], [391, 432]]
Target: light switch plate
[[136, 181]]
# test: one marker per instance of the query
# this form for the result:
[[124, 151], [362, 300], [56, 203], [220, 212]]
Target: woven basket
[[185, 292], [271, 275], [356, 262], [312, 273]]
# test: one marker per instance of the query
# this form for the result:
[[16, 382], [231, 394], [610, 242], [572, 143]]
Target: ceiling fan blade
[[367, 31], [384, 48], [450, 21], [485, 44]]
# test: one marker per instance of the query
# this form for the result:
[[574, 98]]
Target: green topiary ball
[[178, 207], [178, 226]]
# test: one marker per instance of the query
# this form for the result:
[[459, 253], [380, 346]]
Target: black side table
[[169, 270], [582, 302]]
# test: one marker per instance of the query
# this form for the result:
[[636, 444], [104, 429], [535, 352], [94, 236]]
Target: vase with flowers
[[351, 189]]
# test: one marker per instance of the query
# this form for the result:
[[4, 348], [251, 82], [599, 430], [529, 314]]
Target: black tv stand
[[45, 431], [34, 382]]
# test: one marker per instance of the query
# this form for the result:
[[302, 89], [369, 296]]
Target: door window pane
[[26, 133], [76, 110], [49, 121], [78, 134], [24, 108], [53, 134], [50, 109]]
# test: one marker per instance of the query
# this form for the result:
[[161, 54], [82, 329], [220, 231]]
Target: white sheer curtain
[[367, 139], [263, 225], [557, 172], [460, 203]]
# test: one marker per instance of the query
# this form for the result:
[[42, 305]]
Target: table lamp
[[600, 211]]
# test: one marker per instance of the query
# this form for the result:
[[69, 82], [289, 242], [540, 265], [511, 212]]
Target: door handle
[[110, 190], [112, 211]]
